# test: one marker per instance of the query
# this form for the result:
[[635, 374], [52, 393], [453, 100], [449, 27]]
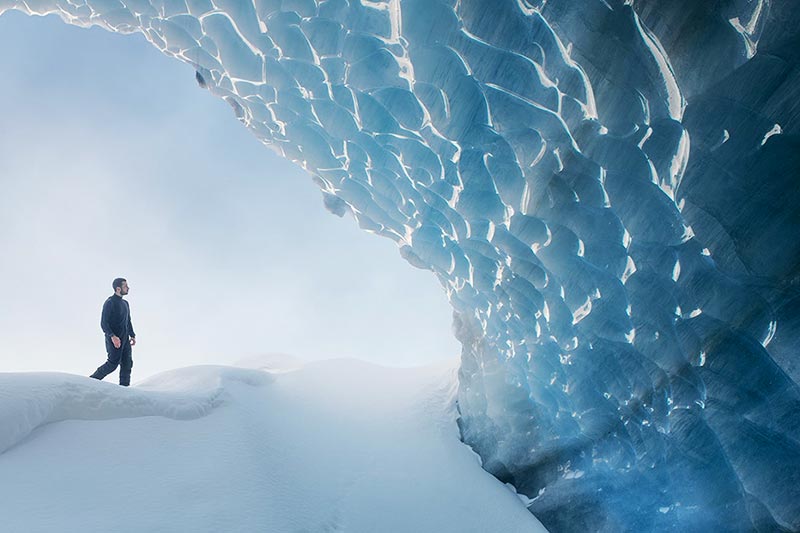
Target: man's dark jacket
[[116, 318]]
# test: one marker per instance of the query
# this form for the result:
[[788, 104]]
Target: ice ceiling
[[608, 192]]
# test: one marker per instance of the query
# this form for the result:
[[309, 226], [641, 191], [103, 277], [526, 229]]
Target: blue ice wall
[[606, 190]]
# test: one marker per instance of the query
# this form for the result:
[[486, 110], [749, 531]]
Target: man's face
[[124, 288]]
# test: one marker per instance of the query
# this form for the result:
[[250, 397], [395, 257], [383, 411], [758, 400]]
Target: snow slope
[[337, 445]]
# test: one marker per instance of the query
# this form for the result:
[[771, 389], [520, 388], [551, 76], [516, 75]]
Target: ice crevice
[[604, 193]]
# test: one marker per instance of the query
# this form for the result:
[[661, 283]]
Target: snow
[[336, 445]]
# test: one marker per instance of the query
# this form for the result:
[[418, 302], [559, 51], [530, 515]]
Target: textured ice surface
[[607, 190]]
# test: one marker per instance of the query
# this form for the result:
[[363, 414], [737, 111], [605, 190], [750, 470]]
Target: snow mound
[[271, 362], [31, 400]]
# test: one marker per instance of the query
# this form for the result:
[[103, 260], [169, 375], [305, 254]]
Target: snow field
[[331, 446]]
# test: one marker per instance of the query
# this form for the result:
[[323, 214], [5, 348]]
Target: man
[[120, 337]]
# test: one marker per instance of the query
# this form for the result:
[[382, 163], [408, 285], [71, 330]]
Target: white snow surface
[[330, 446]]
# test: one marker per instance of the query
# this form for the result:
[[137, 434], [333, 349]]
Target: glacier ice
[[606, 190]]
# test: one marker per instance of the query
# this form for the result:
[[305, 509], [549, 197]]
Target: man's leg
[[125, 363], [114, 355]]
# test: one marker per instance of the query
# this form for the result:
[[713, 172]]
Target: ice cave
[[607, 190]]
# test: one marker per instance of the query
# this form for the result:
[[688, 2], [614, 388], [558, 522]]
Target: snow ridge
[[31, 400]]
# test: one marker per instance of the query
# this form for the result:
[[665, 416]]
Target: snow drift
[[336, 445]]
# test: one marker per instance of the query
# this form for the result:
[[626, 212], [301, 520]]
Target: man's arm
[[131, 333], [105, 318]]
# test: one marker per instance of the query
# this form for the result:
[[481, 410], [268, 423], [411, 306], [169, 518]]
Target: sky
[[113, 162]]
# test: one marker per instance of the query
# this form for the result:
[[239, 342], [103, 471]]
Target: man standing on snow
[[120, 337]]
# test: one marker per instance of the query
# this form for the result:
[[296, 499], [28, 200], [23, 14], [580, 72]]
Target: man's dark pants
[[121, 357]]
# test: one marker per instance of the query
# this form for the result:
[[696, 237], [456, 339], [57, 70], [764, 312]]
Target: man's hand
[[133, 341], [116, 341]]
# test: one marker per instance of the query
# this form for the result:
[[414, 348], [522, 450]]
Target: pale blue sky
[[113, 162]]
